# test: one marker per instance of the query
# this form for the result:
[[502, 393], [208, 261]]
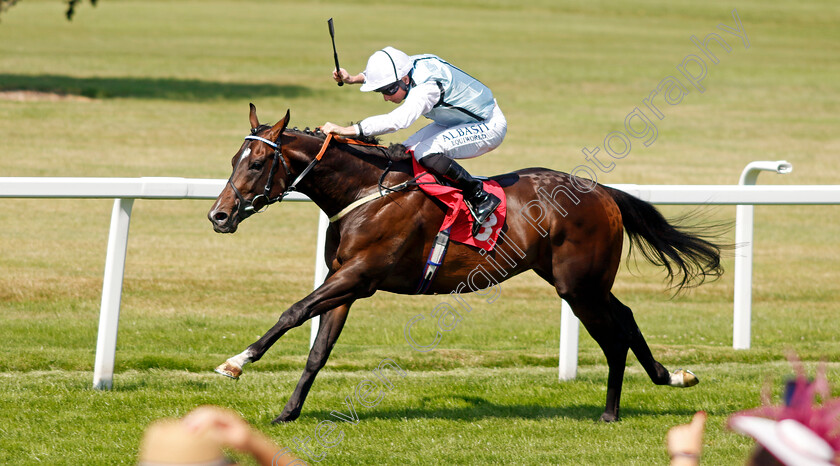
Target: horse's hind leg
[[630, 329], [612, 326], [656, 371], [607, 332], [332, 322]]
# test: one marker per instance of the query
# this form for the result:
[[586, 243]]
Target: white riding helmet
[[385, 67]]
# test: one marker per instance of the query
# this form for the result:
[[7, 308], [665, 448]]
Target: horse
[[573, 241]]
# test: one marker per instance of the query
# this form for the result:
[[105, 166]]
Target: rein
[[260, 202], [355, 142], [381, 192]]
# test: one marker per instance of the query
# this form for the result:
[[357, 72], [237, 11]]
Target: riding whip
[[335, 54]]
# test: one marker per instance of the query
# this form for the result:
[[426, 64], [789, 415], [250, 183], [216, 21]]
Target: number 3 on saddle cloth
[[457, 225]]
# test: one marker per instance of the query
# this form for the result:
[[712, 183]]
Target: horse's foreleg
[[343, 287], [332, 322]]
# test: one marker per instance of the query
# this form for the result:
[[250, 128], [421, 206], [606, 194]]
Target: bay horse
[[573, 241]]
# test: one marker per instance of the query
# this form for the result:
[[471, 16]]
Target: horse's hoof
[[683, 378], [608, 417], [229, 370], [285, 417]]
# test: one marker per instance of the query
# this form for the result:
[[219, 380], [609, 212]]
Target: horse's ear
[[278, 128], [253, 117]]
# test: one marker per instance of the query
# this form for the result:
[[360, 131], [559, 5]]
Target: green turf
[[467, 416], [161, 88]]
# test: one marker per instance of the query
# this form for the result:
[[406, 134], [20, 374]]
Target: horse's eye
[[256, 166]]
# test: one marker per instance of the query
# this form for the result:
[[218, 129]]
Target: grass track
[[168, 85], [468, 415]]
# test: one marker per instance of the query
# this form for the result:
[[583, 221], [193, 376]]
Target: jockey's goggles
[[390, 89]]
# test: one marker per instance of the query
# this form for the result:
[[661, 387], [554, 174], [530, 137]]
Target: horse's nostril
[[219, 217]]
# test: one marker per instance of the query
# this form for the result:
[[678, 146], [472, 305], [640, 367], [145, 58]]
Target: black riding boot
[[480, 202]]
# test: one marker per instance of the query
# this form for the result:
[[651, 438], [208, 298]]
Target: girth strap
[[434, 261]]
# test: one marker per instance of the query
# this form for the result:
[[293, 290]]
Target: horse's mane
[[393, 152]]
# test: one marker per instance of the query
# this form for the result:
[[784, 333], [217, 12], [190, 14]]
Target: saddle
[[458, 217], [457, 224]]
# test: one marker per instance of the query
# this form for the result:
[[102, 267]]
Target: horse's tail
[[689, 256]]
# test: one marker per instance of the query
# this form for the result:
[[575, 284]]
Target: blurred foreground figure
[[797, 433], [198, 439]]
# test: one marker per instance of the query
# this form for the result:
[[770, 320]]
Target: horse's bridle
[[260, 202]]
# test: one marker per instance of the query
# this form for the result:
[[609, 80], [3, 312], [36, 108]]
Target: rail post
[[109, 310], [569, 335], [743, 258], [320, 270]]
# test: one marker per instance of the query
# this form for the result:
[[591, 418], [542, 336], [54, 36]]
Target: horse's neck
[[339, 179]]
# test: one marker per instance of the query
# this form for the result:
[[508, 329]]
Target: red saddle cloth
[[458, 215]]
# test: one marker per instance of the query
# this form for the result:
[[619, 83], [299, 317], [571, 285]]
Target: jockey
[[466, 120]]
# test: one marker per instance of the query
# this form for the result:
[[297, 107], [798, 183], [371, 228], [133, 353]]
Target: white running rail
[[125, 190]]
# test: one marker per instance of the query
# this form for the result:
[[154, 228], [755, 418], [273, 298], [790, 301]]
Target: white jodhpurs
[[462, 141]]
